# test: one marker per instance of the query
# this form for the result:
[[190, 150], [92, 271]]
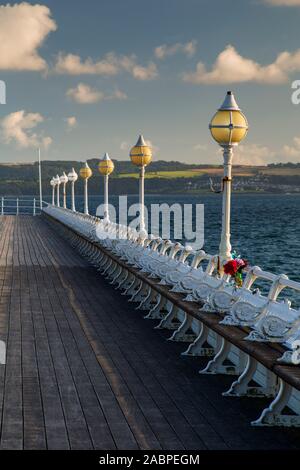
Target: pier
[[84, 369], [114, 338], [149, 233]]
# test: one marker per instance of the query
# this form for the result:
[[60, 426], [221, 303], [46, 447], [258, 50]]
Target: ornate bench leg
[[150, 301], [241, 386], [116, 275], [184, 332], [136, 289], [90, 252], [217, 366], [110, 272], [160, 309], [101, 261], [274, 414], [106, 265], [123, 279], [170, 321], [138, 295], [134, 286], [200, 347], [154, 311], [143, 297], [95, 259], [129, 284], [99, 258]]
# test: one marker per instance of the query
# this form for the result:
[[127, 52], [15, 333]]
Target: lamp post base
[[225, 246]]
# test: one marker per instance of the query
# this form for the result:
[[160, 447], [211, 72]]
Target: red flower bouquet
[[234, 268], [231, 267]]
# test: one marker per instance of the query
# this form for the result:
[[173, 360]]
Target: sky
[[87, 77]]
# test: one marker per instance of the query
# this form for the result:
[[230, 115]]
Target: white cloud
[[71, 122], [84, 94], [18, 127], [163, 51], [231, 67], [200, 147], [117, 95], [144, 73], [73, 65], [139, 72], [155, 148], [23, 29], [112, 64], [46, 142], [190, 48], [284, 3], [253, 154], [292, 152], [124, 145]]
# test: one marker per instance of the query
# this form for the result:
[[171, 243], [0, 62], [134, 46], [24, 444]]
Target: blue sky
[[150, 83]]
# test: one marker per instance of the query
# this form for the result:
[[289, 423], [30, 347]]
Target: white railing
[[195, 274], [11, 205]]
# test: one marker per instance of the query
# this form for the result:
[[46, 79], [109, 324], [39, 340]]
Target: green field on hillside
[[164, 174], [280, 171], [213, 171]]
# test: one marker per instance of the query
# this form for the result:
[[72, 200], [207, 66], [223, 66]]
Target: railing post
[[40, 179], [141, 156], [86, 203], [86, 173], [73, 196], [142, 198], [2, 206], [106, 215], [57, 189], [106, 167], [17, 206], [65, 196], [72, 176], [225, 245], [34, 210]]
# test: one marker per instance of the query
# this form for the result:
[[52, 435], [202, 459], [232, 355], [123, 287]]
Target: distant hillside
[[162, 177]]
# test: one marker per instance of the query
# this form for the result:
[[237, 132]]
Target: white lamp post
[[106, 167], [57, 182], [72, 177], [85, 173], [141, 156], [64, 179], [52, 182], [228, 127]]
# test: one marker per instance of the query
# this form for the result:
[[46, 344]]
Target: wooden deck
[[84, 369]]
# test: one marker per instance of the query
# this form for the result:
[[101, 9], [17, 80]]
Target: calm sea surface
[[265, 228]]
